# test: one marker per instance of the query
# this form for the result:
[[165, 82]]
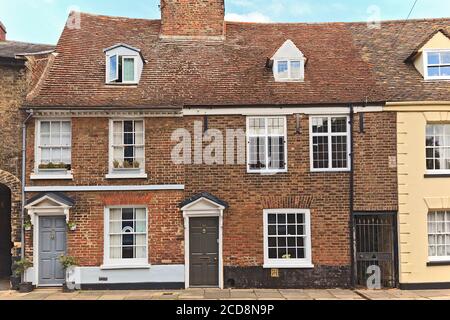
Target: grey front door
[[204, 252], [52, 244]]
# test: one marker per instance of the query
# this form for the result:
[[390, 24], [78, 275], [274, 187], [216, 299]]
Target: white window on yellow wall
[[439, 236], [438, 148]]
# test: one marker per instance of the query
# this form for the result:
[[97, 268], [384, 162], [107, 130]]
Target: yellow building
[[413, 64], [423, 159]]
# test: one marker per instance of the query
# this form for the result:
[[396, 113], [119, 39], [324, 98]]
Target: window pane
[[283, 69], [276, 126], [445, 71], [257, 126], [339, 125], [320, 152], [257, 153], [276, 153], [433, 58], [55, 138], [339, 152], [319, 125], [295, 69], [433, 71], [113, 68], [45, 155], [45, 127], [128, 69], [445, 57]]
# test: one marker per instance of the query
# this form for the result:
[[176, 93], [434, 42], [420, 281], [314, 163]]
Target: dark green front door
[[204, 252]]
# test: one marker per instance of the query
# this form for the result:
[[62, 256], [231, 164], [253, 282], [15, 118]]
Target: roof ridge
[[32, 43]]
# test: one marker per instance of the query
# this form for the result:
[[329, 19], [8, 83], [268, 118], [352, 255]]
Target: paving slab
[[217, 294]]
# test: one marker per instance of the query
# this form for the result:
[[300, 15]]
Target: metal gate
[[376, 245]]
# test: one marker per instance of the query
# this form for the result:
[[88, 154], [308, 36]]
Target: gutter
[[352, 200], [24, 161]]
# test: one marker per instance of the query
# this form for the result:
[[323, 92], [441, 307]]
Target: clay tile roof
[[387, 50], [232, 72]]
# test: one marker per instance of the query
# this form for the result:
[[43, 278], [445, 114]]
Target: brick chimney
[[2, 32], [193, 19]]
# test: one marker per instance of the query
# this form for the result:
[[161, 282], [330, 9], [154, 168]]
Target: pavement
[[230, 294]]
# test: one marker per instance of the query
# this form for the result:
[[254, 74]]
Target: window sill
[[267, 173], [438, 263], [288, 266], [126, 176], [121, 267], [436, 175], [42, 176], [330, 171]]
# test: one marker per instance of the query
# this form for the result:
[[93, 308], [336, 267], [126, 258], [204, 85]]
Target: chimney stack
[[193, 19], [2, 32]]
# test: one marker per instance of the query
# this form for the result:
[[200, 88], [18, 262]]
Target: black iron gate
[[376, 245]]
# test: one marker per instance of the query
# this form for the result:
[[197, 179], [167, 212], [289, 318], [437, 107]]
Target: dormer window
[[289, 70], [124, 64], [288, 63], [437, 63]]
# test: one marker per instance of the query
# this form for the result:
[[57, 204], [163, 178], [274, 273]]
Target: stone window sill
[[42, 176], [288, 266], [127, 176], [120, 267]]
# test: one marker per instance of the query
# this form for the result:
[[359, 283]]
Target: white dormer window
[[288, 63], [124, 64], [437, 64]]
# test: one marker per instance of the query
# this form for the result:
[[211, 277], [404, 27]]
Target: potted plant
[[54, 168], [126, 166], [69, 263], [20, 267], [27, 225], [72, 226]]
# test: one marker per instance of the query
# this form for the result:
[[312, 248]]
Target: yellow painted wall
[[418, 195], [439, 41]]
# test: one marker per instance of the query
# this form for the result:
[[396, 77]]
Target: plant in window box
[[27, 225], [72, 226], [69, 264], [287, 256], [20, 267], [55, 168]]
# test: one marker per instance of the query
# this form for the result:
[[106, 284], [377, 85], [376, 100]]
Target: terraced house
[[417, 77], [123, 146]]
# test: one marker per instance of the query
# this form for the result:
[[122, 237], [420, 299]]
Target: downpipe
[[23, 181]]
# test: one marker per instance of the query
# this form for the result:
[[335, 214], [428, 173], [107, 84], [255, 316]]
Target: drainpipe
[[351, 197], [24, 158]]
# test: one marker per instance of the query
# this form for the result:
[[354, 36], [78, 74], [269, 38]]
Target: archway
[[10, 226], [5, 232]]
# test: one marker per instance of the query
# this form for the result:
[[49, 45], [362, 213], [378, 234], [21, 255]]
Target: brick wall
[[90, 139], [165, 232], [192, 18], [326, 194], [13, 86]]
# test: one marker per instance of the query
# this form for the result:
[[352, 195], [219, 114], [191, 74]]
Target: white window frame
[[426, 64], [123, 263], [41, 174], [267, 170], [108, 64], [124, 175], [329, 134], [289, 77], [434, 171], [288, 263], [436, 258]]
